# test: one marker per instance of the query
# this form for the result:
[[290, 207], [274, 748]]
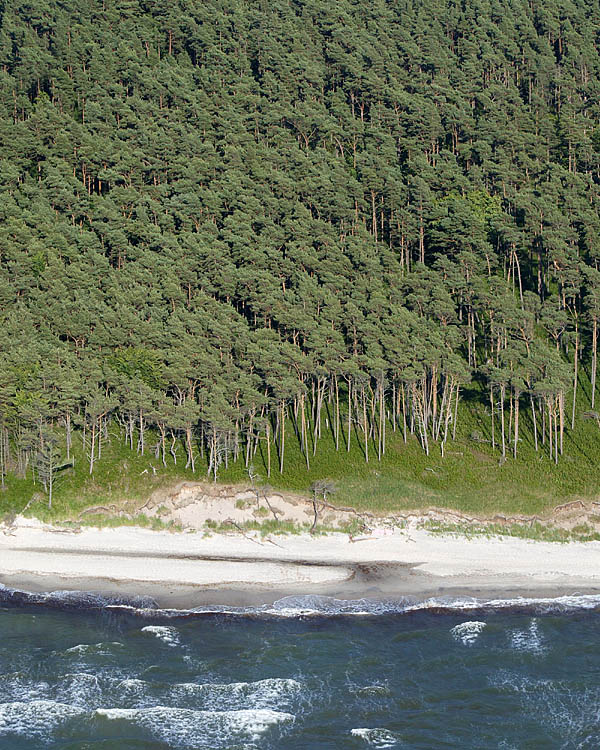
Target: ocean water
[[81, 672]]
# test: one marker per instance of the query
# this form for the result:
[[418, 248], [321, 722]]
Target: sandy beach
[[191, 569]]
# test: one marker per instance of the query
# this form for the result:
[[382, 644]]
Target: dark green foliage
[[241, 230]]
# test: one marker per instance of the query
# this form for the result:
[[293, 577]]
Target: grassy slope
[[469, 478]]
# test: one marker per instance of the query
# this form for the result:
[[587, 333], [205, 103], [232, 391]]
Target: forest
[[234, 230]]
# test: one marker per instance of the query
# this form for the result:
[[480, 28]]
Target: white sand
[[399, 562]]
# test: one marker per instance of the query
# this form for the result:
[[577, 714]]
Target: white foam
[[468, 632], [528, 640], [377, 689], [568, 710], [15, 686], [379, 738], [279, 694], [80, 689], [132, 691], [185, 728], [97, 649], [272, 693], [35, 719], [164, 633], [324, 606]]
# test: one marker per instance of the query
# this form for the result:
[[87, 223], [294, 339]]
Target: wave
[[309, 605], [528, 640], [467, 632], [569, 709], [168, 635], [85, 691], [186, 728], [66, 599], [178, 727], [379, 738], [35, 719]]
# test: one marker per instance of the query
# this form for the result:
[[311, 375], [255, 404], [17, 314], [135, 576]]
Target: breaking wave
[[379, 738], [295, 606], [185, 728], [467, 632]]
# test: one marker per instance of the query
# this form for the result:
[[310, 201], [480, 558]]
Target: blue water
[[78, 674]]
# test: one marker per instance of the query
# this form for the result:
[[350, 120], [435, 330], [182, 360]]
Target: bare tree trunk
[[191, 462], [493, 422], [455, 412], [555, 431], [404, 412], [382, 419], [502, 388], [365, 423], [516, 434], [535, 438], [337, 413], [282, 442], [92, 445], [594, 359], [349, 413], [172, 450], [575, 375], [304, 432], [141, 443], [561, 412], [550, 445], [268, 429], [68, 434]]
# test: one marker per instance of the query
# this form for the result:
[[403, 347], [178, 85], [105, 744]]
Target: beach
[[184, 570]]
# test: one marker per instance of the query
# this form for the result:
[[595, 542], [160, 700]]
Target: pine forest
[[280, 235]]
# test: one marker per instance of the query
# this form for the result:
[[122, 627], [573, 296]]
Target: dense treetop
[[217, 217]]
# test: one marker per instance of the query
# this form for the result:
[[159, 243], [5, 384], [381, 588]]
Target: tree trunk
[[502, 389], [455, 412], [365, 423], [575, 374], [493, 421], [516, 433], [535, 438], [550, 445], [68, 434], [594, 359], [349, 413], [304, 432], [561, 411], [337, 414], [268, 429], [92, 446], [191, 462], [282, 441]]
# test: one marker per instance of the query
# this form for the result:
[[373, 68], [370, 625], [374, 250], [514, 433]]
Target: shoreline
[[186, 570]]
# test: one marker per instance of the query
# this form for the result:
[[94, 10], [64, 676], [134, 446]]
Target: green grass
[[470, 478], [537, 531], [270, 526]]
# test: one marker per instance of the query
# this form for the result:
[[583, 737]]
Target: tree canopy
[[221, 221]]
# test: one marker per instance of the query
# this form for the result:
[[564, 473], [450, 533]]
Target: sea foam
[[467, 632], [164, 633], [379, 738], [35, 719], [185, 728]]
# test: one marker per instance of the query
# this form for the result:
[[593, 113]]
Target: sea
[[86, 672]]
